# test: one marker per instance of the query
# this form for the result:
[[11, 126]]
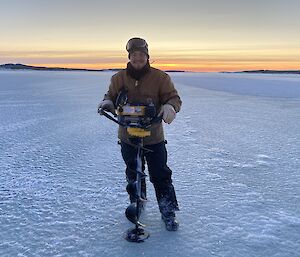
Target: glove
[[107, 105], [168, 113]]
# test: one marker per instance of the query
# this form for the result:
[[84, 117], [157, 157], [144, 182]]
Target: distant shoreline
[[266, 71], [19, 66]]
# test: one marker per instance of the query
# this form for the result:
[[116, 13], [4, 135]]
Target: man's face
[[138, 59]]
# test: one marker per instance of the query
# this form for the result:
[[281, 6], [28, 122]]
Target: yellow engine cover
[[138, 132]]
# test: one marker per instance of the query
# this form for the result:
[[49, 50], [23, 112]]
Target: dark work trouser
[[159, 173]]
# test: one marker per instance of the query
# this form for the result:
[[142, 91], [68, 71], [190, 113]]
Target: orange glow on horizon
[[205, 60]]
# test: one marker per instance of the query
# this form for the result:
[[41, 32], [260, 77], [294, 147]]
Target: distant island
[[267, 71], [19, 66]]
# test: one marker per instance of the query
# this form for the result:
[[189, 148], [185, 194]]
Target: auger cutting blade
[[136, 235]]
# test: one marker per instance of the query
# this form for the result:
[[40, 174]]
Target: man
[[144, 85]]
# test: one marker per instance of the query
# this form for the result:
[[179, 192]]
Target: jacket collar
[[137, 74]]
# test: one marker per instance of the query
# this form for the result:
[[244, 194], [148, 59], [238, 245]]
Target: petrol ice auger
[[137, 119]]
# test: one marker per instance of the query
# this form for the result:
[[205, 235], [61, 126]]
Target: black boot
[[167, 208], [167, 204], [170, 221]]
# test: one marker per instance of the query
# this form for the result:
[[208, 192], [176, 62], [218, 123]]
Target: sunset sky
[[193, 35]]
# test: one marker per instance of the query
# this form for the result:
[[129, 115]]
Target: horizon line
[[41, 67]]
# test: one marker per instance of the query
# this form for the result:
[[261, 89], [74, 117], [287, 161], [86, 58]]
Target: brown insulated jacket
[[156, 86]]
